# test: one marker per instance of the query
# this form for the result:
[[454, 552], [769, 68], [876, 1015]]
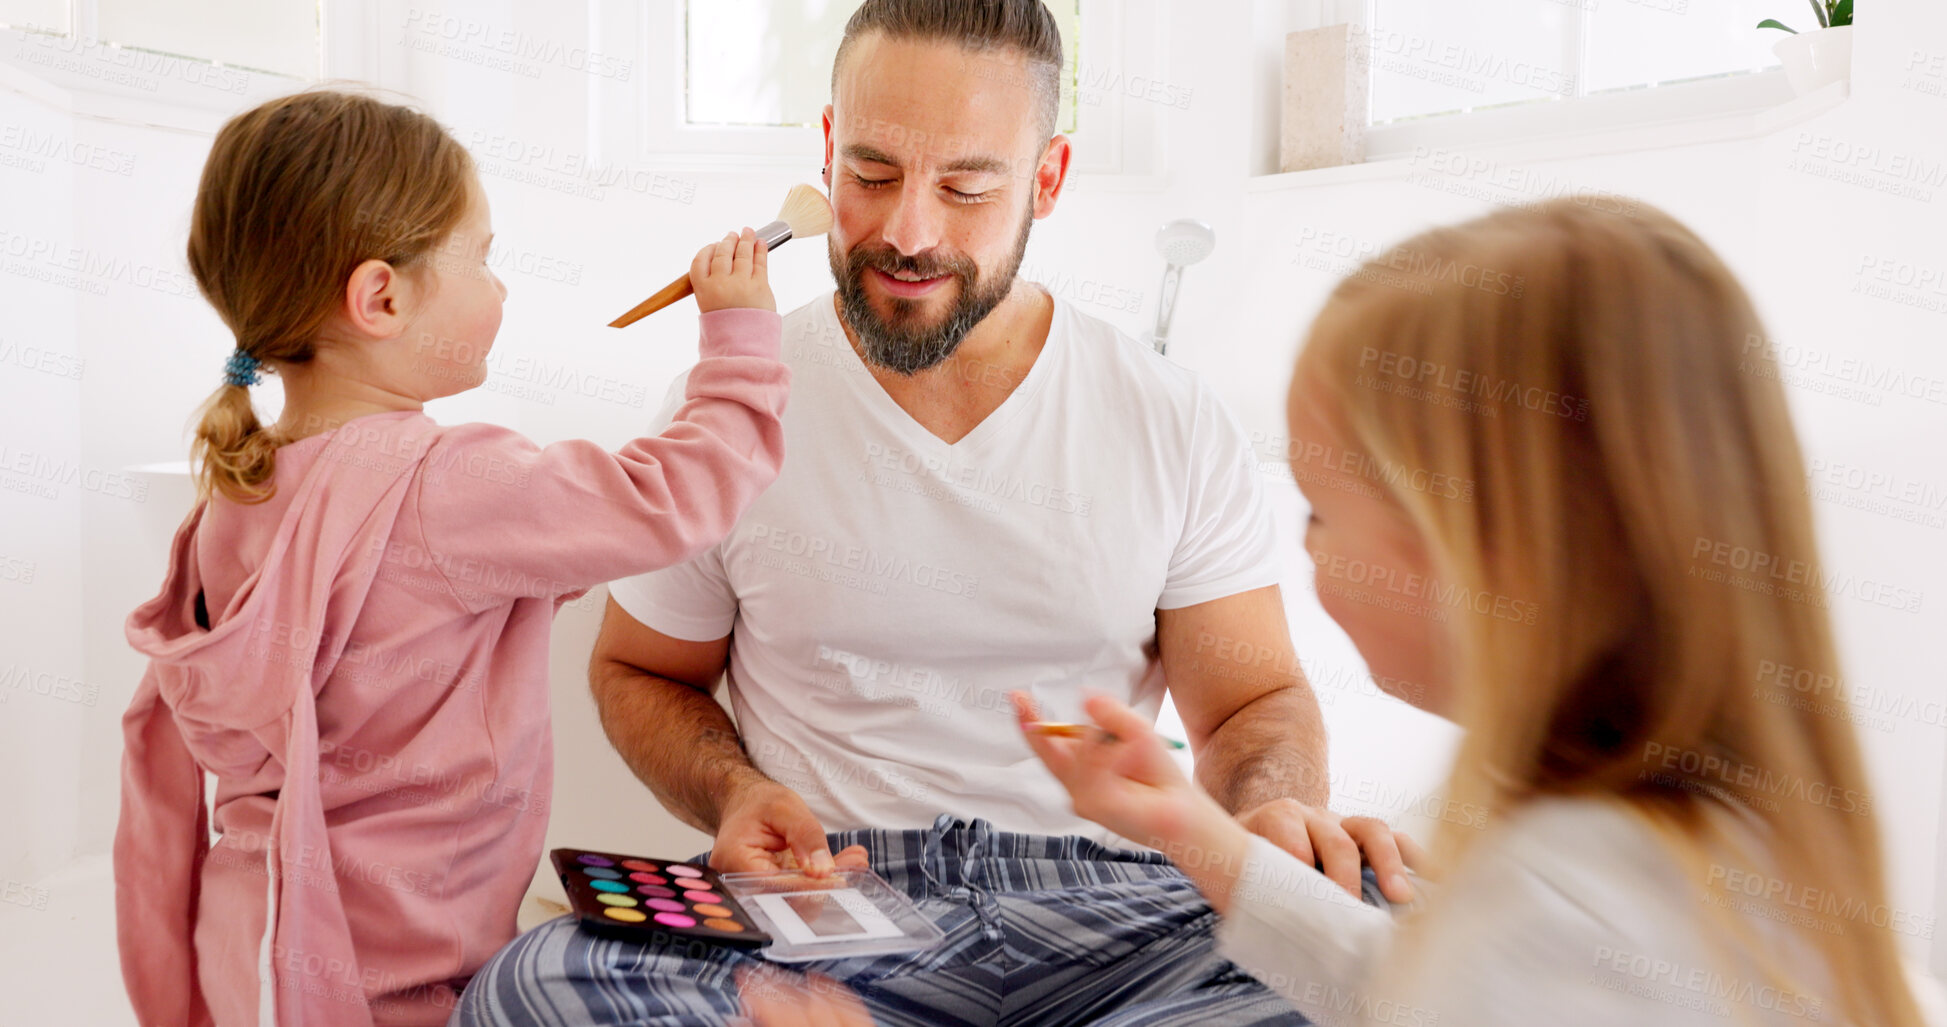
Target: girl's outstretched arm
[[501, 517]]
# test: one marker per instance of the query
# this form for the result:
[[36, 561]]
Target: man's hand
[[766, 827], [1333, 844], [733, 272]]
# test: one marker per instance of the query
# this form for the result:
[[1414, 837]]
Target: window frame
[[1694, 100], [645, 121], [182, 105]]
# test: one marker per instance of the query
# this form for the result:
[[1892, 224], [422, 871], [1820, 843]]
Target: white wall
[[152, 354], [47, 708]]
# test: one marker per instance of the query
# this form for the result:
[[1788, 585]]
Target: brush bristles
[[807, 212]]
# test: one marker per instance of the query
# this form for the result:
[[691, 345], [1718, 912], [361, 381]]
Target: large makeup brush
[[806, 213]]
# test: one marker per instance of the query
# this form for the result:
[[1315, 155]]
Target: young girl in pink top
[[352, 635]]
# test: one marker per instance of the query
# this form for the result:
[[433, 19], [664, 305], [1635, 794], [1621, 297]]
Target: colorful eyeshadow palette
[[638, 897]]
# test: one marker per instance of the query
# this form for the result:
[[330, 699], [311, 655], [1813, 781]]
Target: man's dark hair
[[1020, 35]]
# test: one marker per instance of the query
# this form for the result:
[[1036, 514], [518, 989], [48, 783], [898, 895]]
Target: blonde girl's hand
[[1126, 781], [732, 272], [775, 998], [1122, 778]]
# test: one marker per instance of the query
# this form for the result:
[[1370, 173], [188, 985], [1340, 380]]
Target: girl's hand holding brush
[[805, 214], [1124, 779], [732, 272], [1120, 776]]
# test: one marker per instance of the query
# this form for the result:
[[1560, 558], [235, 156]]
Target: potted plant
[[1817, 58]]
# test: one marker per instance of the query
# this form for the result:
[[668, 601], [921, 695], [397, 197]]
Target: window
[[277, 36], [768, 62], [44, 15], [759, 62], [184, 66], [1431, 57], [280, 37], [735, 85]]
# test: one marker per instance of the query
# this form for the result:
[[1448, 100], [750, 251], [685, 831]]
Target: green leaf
[[1773, 23], [1842, 14], [1819, 10]]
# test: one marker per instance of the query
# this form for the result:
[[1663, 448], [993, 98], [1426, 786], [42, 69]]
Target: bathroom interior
[[615, 138]]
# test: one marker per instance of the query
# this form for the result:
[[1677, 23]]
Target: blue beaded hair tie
[[241, 369]]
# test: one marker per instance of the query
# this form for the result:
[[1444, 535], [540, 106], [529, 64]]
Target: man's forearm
[[677, 740], [1273, 748]]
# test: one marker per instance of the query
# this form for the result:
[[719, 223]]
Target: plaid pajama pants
[[1039, 931]]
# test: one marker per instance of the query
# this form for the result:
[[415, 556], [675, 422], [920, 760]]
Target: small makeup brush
[[1053, 729], [806, 213]]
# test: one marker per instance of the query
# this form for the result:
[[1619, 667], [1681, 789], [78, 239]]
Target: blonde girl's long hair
[[1599, 374], [296, 193]]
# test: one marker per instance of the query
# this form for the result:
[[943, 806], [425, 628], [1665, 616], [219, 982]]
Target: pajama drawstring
[[971, 843]]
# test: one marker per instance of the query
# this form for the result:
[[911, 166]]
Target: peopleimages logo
[[868, 564], [1756, 570], [1708, 769], [464, 33], [1431, 592], [1413, 55], [1506, 391], [63, 150], [1698, 987]]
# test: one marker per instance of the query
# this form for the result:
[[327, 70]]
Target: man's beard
[[901, 343]]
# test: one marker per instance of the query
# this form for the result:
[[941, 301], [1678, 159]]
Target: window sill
[[1545, 134], [199, 99]]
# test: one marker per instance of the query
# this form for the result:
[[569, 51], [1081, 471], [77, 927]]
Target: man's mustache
[[924, 265]]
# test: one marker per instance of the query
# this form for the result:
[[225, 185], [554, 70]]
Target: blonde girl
[[1581, 377]]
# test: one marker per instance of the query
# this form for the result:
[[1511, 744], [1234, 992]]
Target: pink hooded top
[[361, 664]]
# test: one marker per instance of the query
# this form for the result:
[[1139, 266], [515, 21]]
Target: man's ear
[[1051, 175], [828, 148], [377, 297]]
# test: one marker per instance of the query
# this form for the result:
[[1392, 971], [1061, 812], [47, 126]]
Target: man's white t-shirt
[[889, 590]]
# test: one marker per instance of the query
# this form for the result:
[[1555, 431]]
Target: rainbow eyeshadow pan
[[652, 900]]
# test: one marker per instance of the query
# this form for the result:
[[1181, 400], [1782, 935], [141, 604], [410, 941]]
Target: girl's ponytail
[[232, 452]]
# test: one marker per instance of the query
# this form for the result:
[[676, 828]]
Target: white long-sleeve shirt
[[1572, 913]]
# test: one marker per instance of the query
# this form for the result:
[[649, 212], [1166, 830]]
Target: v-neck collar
[[1052, 349]]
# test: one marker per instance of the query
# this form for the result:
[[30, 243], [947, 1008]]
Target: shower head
[[1185, 241], [1182, 242]]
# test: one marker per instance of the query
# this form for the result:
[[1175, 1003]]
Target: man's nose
[[913, 226]]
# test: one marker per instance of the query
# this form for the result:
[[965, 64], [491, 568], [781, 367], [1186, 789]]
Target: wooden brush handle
[[670, 293]]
